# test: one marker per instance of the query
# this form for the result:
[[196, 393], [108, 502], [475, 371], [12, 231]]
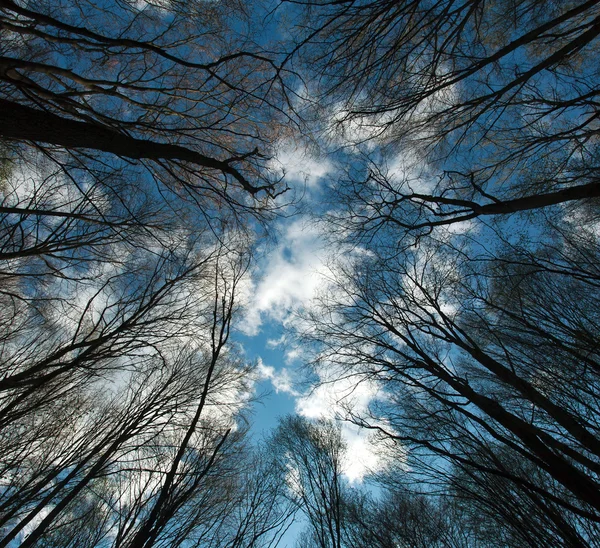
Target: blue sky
[[290, 272], [273, 402], [297, 267]]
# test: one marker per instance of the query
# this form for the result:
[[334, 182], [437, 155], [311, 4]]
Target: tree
[[399, 517], [311, 458], [470, 199], [477, 374], [144, 84], [498, 98], [135, 141], [263, 511], [165, 430]]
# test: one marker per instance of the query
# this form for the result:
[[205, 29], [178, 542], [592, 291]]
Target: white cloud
[[290, 277], [336, 395], [293, 354], [282, 380], [299, 165], [409, 169], [276, 343], [162, 6], [582, 220], [363, 454], [338, 398], [296, 272]]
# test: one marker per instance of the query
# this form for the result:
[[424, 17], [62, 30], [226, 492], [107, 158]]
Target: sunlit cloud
[[281, 379], [299, 165], [338, 399], [289, 278]]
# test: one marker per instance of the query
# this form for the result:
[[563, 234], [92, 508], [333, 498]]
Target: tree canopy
[[138, 174]]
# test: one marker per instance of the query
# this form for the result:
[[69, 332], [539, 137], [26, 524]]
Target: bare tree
[[401, 517], [472, 297], [498, 98], [156, 463], [488, 359], [134, 169], [174, 91], [311, 457], [264, 511]]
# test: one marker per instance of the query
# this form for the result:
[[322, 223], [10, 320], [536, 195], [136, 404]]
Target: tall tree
[[499, 98], [471, 201], [311, 457], [152, 393], [183, 93], [488, 362], [135, 140]]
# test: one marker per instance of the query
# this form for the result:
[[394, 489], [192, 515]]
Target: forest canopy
[[150, 154]]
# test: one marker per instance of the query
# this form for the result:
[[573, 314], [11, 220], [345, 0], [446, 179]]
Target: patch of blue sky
[[274, 400]]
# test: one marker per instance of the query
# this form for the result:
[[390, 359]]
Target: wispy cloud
[[289, 278], [281, 379], [300, 165]]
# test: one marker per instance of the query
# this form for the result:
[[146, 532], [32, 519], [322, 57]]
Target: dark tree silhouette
[[311, 457], [147, 86], [499, 97], [489, 364]]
